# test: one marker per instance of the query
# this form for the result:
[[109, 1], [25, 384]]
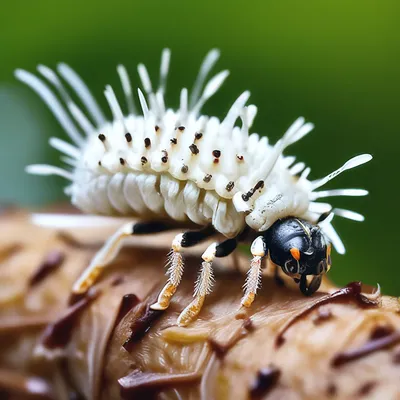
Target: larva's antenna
[[127, 88], [352, 163], [207, 65], [164, 67]]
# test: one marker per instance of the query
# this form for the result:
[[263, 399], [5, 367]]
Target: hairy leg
[[176, 263], [253, 280], [205, 279]]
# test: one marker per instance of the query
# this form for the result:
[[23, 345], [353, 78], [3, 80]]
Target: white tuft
[[42, 169], [83, 92], [52, 102], [145, 78], [211, 88], [143, 104], [64, 147], [208, 63], [164, 67], [305, 173], [332, 235], [183, 109], [338, 192], [127, 88], [348, 214], [297, 168], [113, 103], [234, 112], [352, 163]]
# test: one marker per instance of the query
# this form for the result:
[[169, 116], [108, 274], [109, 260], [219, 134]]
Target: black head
[[298, 247]]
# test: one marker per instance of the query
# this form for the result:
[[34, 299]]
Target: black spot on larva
[[181, 128], [259, 185], [164, 158], [240, 158], [184, 169], [194, 149], [156, 128], [207, 178], [143, 160], [216, 153], [174, 140], [122, 161], [198, 136], [230, 186], [102, 137], [128, 137], [147, 143], [99, 163]]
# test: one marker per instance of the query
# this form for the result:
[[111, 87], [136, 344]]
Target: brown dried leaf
[[285, 346]]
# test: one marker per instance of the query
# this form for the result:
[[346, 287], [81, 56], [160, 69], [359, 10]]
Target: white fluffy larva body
[[163, 165]]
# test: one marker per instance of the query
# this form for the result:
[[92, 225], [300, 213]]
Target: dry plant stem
[[335, 344]]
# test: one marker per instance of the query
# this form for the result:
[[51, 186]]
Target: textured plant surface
[[335, 344]]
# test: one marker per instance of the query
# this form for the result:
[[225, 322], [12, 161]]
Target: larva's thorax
[[185, 172]]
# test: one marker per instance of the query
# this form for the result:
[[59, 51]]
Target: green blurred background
[[335, 62]]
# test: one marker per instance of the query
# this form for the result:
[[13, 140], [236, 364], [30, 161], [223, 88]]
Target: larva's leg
[[176, 263], [314, 285], [110, 250], [253, 280], [205, 279]]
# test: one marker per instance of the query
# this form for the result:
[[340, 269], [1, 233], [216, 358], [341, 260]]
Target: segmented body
[[181, 172], [184, 166], [181, 164]]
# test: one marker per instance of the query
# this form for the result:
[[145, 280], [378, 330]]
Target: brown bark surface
[[336, 344]]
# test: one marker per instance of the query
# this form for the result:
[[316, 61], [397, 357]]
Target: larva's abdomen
[[150, 195]]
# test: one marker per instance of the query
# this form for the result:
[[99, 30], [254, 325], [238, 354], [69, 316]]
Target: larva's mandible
[[166, 166]]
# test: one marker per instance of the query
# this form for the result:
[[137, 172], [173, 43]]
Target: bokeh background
[[335, 62]]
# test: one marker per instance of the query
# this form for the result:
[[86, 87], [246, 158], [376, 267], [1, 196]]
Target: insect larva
[[182, 165]]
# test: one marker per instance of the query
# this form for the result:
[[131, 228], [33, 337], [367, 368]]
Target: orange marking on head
[[328, 253], [295, 253]]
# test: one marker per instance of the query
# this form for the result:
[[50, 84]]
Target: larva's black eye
[[292, 266]]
